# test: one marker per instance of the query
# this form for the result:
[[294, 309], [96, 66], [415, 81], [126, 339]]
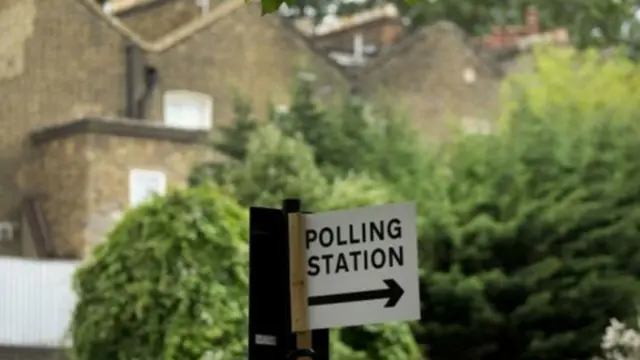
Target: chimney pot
[[532, 20]]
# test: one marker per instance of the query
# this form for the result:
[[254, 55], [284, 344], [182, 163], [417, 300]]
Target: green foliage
[[580, 17], [340, 351], [352, 136], [528, 236], [570, 82], [534, 239], [276, 167], [383, 342], [590, 23], [231, 141], [235, 136], [315, 146], [169, 283], [356, 190]]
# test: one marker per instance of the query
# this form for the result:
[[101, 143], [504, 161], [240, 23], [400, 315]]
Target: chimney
[[390, 33], [532, 21], [205, 5], [358, 48]]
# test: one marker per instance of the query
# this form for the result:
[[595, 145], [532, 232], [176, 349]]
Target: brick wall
[[64, 59], [80, 172]]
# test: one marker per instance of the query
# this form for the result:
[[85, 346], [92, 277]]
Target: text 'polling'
[[386, 233]]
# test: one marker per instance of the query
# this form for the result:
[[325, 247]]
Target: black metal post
[[270, 335], [268, 284]]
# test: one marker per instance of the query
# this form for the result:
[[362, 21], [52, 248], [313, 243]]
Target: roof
[[171, 38], [153, 19], [426, 35], [522, 41], [118, 127], [218, 12], [119, 6], [332, 25], [524, 36]]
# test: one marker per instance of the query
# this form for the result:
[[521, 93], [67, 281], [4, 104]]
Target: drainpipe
[[130, 81], [150, 81], [358, 49]]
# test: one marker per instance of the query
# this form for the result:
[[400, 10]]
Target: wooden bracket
[[298, 282]]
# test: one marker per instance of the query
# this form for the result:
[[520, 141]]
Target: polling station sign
[[362, 266]]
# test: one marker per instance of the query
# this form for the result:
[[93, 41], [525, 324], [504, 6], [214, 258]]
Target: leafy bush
[[534, 237], [383, 341], [170, 282], [571, 84], [352, 136], [276, 167]]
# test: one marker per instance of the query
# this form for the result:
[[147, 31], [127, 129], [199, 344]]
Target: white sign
[[362, 266]]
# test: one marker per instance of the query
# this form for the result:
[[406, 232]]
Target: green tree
[[231, 142], [534, 234], [348, 136], [597, 22], [590, 23], [587, 84], [233, 138], [275, 167], [170, 282], [352, 136]]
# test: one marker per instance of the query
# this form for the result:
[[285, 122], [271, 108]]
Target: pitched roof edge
[[173, 37], [120, 7], [117, 127], [184, 32], [410, 40], [290, 29], [116, 24], [348, 22], [193, 27], [391, 20]]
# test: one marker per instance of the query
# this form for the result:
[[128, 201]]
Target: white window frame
[[281, 109], [136, 175], [474, 126], [205, 101]]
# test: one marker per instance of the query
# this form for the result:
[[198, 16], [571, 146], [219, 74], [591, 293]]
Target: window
[[143, 184], [306, 76], [472, 126], [469, 75], [188, 110], [106, 6]]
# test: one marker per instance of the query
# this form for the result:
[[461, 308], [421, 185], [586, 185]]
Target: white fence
[[36, 301]]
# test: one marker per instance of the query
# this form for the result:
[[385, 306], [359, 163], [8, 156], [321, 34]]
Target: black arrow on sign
[[392, 293]]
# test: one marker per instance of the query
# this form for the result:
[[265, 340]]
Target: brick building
[[98, 101], [101, 106], [438, 74]]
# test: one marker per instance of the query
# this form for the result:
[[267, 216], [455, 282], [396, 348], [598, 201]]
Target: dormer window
[[188, 110], [205, 5], [473, 126]]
